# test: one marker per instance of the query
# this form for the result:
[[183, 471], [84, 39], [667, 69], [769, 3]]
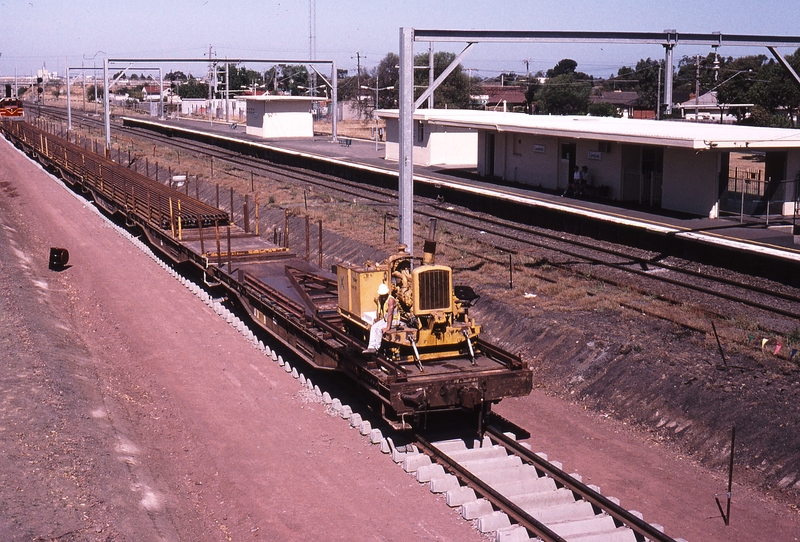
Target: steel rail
[[518, 514], [619, 513]]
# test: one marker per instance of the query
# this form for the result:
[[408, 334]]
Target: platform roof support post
[[406, 114], [668, 74], [69, 103]]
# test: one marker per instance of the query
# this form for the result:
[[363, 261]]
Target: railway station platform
[[768, 239]]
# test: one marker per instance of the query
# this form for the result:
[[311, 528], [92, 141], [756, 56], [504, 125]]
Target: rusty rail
[[131, 192]]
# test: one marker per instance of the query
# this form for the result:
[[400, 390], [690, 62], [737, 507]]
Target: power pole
[[211, 74], [358, 81], [358, 70], [697, 90]]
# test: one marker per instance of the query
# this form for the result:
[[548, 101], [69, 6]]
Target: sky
[[55, 33]]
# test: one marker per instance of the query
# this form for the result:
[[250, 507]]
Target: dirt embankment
[[668, 382]]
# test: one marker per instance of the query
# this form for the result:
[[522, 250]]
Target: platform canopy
[[692, 135]]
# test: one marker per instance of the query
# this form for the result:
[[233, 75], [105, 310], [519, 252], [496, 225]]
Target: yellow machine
[[434, 323]]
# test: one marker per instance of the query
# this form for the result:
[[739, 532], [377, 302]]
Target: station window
[[420, 132]]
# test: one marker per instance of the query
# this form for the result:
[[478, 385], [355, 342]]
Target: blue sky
[[57, 33]]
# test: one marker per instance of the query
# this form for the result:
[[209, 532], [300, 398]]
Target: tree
[[736, 82], [686, 78], [293, 76], [530, 95], [603, 109], [193, 89], [386, 74], [92, 94], [240, 78], [566, 92], [777, 91], [453, 93], [176, 76], [647, 75], [564, 66]]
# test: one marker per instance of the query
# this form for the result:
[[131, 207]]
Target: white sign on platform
[[595, 155]]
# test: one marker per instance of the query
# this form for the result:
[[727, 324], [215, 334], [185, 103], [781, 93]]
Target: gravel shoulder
[[130, 411]]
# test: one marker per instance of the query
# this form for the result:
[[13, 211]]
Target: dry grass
[[474, 263]]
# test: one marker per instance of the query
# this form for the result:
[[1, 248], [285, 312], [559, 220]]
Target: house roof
[[617, 97], [497, 93], [709, 99], [698, 136]]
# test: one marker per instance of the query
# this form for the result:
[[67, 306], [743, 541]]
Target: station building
[[280, 116], [678, 166]]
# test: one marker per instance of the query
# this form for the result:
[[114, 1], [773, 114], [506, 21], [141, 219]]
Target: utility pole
[[211, 74], [697, 90], [358, 81], [358, 70]]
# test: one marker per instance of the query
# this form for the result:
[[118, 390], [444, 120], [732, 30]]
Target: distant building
[[280, 116], [626, 102], [707, 108], [151, 93], [504, 98]]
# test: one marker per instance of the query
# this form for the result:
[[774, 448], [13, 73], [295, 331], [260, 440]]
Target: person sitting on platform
[[387, 314], [586, 182], [574, 183]]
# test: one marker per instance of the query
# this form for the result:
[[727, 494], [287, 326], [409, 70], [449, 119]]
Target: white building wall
[[434, 145], [270, 119], [531, 160], [690, 181], [536, 160], [452, 146], [604, 160]]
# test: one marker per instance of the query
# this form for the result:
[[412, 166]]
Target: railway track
[[720, 295], [518, 494]]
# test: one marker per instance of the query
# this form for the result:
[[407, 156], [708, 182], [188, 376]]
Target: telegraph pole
[[697, 90]]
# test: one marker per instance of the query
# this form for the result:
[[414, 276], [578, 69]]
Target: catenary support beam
[[782, 61], [131, 61]]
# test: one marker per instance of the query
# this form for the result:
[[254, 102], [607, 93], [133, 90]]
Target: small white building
[[680, 166], [435, 144], [280, 116]]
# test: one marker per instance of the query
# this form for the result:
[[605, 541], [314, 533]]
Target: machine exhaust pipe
[[429, 248]]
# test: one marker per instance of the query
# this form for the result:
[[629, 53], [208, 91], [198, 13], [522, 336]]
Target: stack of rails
[[115, 187]]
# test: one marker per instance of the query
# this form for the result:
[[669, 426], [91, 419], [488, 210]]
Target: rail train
[[432, 360], [10, 107]]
